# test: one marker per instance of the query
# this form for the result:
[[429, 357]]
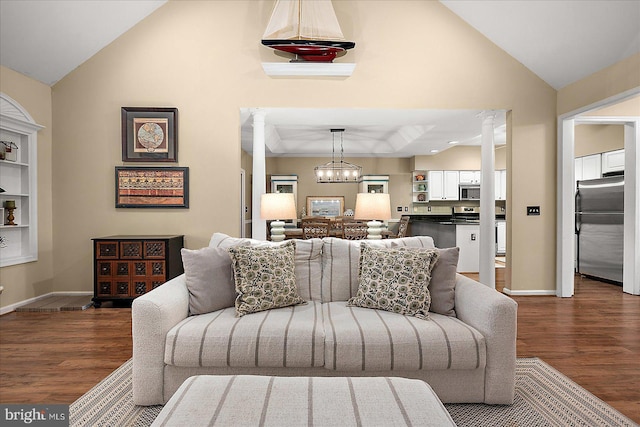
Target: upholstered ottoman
[[252, 400]]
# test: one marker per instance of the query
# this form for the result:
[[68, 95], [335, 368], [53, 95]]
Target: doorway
[[566, 190]]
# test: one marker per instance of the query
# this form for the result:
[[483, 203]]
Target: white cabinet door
[[451, 185], [501, 237], [613, 161], [470, 177], [467, 239], [444, 185], [591, 167], [578, 169], [501, 184], [436, 185]]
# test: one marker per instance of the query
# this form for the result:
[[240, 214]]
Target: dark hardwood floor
[[593, 338]]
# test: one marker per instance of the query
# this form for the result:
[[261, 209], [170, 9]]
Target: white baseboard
[[12, 307], [533, 292]]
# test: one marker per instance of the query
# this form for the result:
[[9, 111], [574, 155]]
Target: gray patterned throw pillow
[[395, 279], [265, 277]]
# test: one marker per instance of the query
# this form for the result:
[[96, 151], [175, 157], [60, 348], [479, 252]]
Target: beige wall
[[593, 139], [175, 58], [398, 170], [459, 158], [629, 107], [613, 80], [32, 279]]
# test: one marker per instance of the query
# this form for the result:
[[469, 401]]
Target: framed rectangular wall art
[[150, 187], [325, 206], [149, 134]]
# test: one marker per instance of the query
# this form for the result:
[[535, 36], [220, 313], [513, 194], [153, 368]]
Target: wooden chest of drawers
[[125, 267]]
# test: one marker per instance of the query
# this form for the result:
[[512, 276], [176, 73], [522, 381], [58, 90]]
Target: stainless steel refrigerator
[[600, 227]]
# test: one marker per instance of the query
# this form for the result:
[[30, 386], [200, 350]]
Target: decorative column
[[258, 179], [488, 203]]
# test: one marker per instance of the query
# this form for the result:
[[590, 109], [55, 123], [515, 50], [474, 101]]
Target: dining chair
[[337, 229], [315, 229], [355, 230], [403, 225]]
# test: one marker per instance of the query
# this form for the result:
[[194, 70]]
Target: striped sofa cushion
[[283, 337], [308, 261], [376, 340], [252, 400], [340, 260]]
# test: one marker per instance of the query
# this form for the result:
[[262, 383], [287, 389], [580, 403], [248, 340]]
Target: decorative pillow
[[265, 277], [209, 278], [340, 259], [395, 279], [308, 261], [443, 282]]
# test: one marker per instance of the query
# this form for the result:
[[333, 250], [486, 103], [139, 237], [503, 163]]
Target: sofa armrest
[[494, 315], [153, 315]]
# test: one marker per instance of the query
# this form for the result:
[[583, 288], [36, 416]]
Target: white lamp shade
[[373, 206], [277, 206]]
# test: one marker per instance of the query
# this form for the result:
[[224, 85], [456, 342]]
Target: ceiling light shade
[[373, 206], [277, 206], [337, 171]]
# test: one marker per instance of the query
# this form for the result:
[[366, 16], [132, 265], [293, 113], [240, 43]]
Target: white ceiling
[[47, 39], [561, 41], [306, 132]]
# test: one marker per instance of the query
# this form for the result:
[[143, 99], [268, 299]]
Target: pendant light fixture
[[337, 171]]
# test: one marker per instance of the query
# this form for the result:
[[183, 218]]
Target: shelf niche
[[20, 241]]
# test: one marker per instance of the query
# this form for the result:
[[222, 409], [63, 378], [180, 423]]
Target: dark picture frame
[[152, 187], [149, 134]]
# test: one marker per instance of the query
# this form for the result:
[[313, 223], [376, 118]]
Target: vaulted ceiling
[[561, 41]]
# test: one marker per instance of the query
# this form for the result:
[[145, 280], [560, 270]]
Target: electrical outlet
[[533, 210], [399, 209]]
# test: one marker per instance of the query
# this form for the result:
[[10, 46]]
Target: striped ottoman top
[[252, 400]]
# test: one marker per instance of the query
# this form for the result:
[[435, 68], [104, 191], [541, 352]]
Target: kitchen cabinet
[[374, 184], [443, 185], [501, 184], [588, 167], [467, 239], [470, 177], [501, 237], [442, 233], [18, 173], [612, 161]]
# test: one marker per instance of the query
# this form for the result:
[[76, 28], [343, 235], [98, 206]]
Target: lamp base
[[374, 230], [277, 231]]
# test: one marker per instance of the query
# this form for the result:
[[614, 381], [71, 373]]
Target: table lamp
[[373, 206], [276, 207]]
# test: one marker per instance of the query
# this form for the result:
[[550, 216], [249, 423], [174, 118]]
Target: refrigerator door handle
[[577, 211]]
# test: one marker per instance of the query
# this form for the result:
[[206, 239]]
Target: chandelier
[[337, 171]]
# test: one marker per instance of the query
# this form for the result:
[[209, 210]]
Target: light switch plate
[[533, 210]]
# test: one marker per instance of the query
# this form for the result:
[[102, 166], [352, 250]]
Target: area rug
[[544, 397], [58, 303]]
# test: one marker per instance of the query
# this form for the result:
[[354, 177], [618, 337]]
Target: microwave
[[470, 192]]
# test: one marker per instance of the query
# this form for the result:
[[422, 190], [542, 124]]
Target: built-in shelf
[[20, 241], [10, 163], [420, 189], [327, 69]]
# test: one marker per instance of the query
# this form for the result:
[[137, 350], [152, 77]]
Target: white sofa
[[469, 357]]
